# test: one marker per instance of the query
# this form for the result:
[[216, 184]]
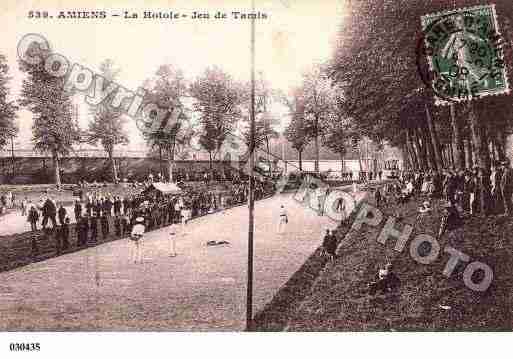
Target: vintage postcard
[[253, 166]]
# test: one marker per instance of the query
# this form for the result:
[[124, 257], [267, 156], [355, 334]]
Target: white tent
[[165, 188]]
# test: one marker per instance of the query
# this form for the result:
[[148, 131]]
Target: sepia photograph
[[339, 170]]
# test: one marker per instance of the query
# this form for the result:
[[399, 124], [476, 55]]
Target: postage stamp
[[464, 52]]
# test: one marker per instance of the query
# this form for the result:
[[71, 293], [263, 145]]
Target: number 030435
[[24, 347]]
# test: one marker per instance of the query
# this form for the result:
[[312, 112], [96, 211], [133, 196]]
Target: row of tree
[[211, 107], [375, 68]]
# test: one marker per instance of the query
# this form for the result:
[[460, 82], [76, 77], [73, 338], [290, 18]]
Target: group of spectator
[[7, 200], [477, 190], [370, 175], [100, 215]]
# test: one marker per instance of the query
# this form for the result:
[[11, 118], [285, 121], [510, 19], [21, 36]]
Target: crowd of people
[[7, 200], [100, 214], [477, 191]]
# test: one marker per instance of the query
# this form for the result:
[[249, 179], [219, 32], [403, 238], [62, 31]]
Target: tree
[[217, 101], [44, 95], [377, 68], [264, 122], [297, 132], [339, 133], [318, 101], [107, 124], [168, 89], [8, 128]]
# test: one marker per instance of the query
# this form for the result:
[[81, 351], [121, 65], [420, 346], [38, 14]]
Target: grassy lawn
[[338, 299]]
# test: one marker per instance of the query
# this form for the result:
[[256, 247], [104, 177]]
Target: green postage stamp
[[465, 55]]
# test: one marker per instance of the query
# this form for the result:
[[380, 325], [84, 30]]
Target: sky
[[296, 35]]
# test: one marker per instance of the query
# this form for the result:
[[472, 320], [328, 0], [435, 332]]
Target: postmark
[[464, 52]]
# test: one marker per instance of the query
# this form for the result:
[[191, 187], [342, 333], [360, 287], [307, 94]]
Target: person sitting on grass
[[425, 207], [329, 245], [387, 281], [451, 218]]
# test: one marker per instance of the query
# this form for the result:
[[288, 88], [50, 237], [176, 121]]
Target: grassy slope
[[338, 300]]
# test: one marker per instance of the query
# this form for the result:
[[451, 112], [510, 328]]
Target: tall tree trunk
[[44, 168], [411, 152], [480, 153], [407, 162], [57, 167], [316, 167], [113, 166], [299, 152], [468, 153], [418, 151], [426, 141], [451, 154], [485, 146], [269, 162], [491, 150], [502, 140], [360, 162], [434, 139], [500, 147], [444, 157], [171, 163], [457, 145], [161, 170]]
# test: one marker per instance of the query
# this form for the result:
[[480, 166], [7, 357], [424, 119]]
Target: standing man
[[33, 217], [117, 205], [94, 228], [173, 232], [137, 238], [77, 210], [49, 212], [24, 204], [82, 230], [283, 220], [61, 214], [104, 223], [506, 185], [321, 197], [377, 197]]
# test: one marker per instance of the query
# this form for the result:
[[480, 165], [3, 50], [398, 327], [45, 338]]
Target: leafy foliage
[[218, 101], [8, 128], [107, 124], [53, 129]]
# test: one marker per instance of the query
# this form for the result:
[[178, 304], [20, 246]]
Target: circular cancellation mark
[[464, 56]]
